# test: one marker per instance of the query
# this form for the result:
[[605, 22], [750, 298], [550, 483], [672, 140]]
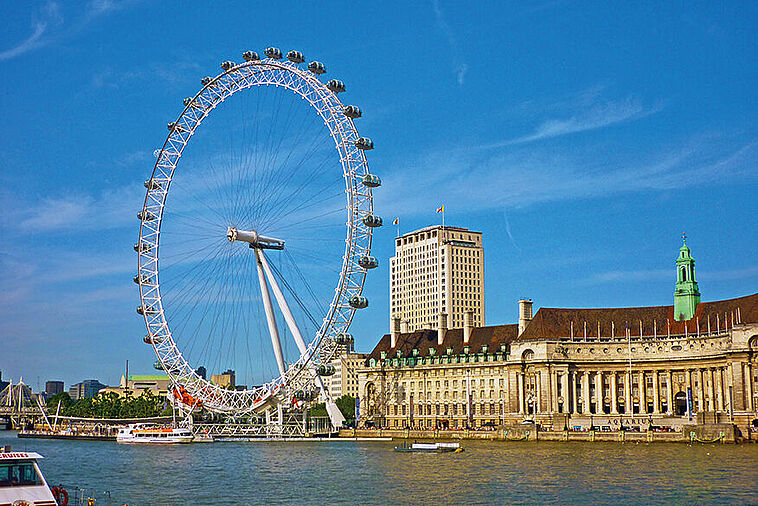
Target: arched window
[[684, 273]]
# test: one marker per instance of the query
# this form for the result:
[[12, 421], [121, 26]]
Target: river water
[[343, 472]]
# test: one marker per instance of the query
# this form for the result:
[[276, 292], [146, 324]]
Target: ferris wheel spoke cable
[[291, 198], [303, 205], [316, 144]]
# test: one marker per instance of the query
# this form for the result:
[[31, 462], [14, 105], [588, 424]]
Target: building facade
[[572, 367], [53, 387], [86, 389], [436, 275], [344, 381]]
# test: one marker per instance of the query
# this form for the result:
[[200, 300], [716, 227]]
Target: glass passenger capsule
[[142, 247], [205, 81], [143, 279], [273, 52], [227, 65], [250, 56], [344, 338], [142, 310], [295, 56], [317, 67], [157, 365], [175, 127], [152, 184], [372, 220], [145, 216], [150, 340], [325, 370], [358, 302], [336, 85], [368, 262], [190, 102], [371, 181], [352, 112], [364, 143]]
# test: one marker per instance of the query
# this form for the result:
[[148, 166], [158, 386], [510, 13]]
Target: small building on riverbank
[[692, 361]]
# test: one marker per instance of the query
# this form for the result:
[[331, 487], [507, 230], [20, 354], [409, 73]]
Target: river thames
[[344, 472]]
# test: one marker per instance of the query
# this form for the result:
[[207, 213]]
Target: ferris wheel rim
[[358, 240]]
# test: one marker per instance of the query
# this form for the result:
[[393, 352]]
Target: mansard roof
[[553, 323], [423, 340]]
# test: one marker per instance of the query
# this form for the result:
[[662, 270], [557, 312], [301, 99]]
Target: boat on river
[[21, 481], [142, 433], [430, 448]]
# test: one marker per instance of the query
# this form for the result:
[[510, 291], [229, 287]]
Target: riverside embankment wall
[[721, 433]]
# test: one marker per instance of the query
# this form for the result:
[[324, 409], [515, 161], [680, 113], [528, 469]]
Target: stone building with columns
[[690, 362]]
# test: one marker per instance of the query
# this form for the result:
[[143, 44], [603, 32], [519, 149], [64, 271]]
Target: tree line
[[110, 405]]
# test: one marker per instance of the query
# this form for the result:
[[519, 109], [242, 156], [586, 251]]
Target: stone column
[[521, 392], [614, 393], [627, 393], [656, 396], [599, 392], [669, 392], [537, 391], [688, 375], [585, 393], [701, 390], [711, 390], [564, 392], [749, 376], [553, 404], [719, 390], [738, 388], [571, 392], [643, 400]]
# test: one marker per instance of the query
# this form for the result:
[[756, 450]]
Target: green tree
[[318, 409], [63, 397], [346, 403]]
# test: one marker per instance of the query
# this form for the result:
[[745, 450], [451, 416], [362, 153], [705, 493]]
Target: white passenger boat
[[21, 481], [152, 434], [430, 447]]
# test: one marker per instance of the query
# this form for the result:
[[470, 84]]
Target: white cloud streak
[[459, 66], [476, 182], [33, 42], [598, 116]]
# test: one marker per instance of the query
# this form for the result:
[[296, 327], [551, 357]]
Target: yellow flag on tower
[[441, 209]]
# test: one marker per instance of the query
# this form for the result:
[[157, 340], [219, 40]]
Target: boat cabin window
[[18, 474]]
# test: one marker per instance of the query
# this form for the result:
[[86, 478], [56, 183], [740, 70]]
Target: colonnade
[[554, 390]]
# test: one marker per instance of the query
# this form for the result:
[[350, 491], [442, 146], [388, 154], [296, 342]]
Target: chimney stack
[[403, 326], [468, 325], [394, 331], [524, 314], [441, 328]]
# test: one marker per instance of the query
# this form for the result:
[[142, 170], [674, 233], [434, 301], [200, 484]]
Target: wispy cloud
[[49, 15], [459, 66], [171, 73], [522, 178], [667, 275], [594, 117], [109, 209]]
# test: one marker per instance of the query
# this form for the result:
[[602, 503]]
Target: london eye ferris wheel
[[255, 238]]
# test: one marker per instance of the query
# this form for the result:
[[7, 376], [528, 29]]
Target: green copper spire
[[686, 294]]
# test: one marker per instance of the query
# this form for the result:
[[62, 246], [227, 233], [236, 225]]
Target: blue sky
[[581, 138]]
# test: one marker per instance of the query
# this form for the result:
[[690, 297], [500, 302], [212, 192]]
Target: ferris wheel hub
[[254, 239]]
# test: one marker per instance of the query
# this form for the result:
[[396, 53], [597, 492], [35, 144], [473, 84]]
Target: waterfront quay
[[691, 433]]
